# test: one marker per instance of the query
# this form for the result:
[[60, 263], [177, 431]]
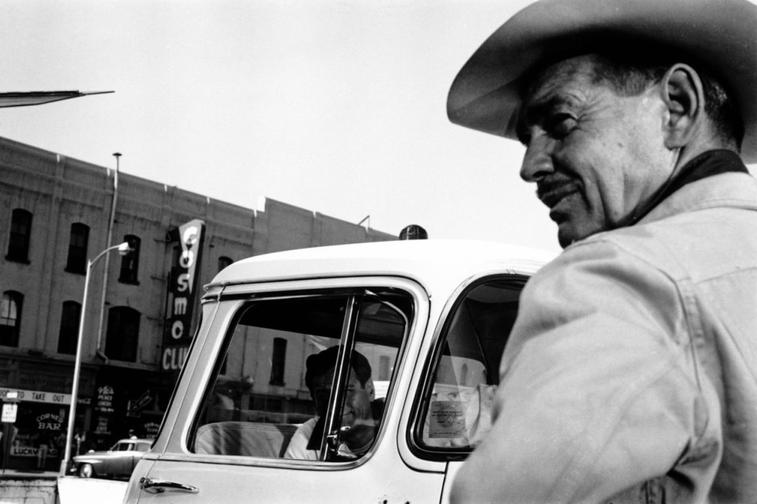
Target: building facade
[[56, 213]]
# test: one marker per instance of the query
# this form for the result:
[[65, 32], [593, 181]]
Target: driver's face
[[357, 401]]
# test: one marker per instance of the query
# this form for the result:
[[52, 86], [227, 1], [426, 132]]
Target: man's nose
[[537, 161]]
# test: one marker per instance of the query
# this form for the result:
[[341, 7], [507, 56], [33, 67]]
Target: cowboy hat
[[721, 34]]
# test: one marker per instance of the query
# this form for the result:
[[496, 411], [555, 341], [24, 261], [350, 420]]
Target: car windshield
[[122, 446]]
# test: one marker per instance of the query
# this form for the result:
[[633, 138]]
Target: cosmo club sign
[[182, 287]]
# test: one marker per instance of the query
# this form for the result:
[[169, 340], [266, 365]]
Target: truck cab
[[246, 422]]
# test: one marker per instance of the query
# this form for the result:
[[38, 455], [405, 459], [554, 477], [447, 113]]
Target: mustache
[[552, 188]]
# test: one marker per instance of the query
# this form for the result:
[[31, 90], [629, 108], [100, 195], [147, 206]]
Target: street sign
[[9, 412], [135, 406]]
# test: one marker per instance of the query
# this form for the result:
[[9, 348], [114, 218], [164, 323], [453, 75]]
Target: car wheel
[[86, 471]]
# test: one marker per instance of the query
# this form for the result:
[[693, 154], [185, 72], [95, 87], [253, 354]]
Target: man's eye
[[560, 125]]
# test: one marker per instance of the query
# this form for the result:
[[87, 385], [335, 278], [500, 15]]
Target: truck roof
[[421, 260]]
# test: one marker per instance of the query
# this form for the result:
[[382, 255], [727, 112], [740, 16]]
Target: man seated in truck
[[357, 414]]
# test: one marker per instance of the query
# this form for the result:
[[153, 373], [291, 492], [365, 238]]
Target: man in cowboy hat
[[631, 372]]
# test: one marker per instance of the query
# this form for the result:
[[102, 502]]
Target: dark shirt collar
[[706, 164]]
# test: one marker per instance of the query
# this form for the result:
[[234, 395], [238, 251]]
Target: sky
[[336, 106]]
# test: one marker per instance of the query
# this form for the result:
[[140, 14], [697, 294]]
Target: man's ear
[[683, 94]]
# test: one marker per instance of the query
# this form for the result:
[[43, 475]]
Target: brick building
[[55, 214]]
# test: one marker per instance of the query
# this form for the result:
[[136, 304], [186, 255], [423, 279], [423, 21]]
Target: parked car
[[118, 461], [430, 316]]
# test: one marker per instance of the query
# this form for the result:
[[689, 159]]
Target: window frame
[[129, 270], [231, 300], [69, 302], [18, 299], [76, 259], [278, 361], [123, 309], [421, 401], [224, 262], [15, 252], [384, 365]]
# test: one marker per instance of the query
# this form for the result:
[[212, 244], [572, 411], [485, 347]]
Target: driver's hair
[[323, 362]]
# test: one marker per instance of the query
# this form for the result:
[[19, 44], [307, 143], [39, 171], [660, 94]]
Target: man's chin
[[562, 240], [568, 234]]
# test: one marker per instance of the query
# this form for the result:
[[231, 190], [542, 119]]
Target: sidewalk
[[6, 474], [75, 490], [18, 487]]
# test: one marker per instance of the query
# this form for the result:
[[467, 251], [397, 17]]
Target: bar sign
[[9, 412]]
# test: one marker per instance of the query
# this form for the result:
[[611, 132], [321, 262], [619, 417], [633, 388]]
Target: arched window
[[21, 231], [69, 327], [77, 248], [130, 262], [123, 333], [224, 261], [10, 317]]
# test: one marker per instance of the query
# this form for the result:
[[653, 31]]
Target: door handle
[[160, 486]]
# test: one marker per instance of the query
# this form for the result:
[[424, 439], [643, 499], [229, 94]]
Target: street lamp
[[123, 249]]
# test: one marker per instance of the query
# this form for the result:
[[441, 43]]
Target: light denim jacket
[[631, 373]]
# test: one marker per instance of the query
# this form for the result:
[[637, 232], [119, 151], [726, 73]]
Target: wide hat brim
[[721, 34]]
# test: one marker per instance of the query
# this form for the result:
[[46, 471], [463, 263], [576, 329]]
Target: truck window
[[299, 377], [455, 409]]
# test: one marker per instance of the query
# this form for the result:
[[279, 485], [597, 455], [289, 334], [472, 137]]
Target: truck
[[415, 330]]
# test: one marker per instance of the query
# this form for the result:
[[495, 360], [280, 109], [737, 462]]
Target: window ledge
[[17, 260]]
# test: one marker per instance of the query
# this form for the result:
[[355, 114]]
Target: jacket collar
[[735, 190], [706, 164]]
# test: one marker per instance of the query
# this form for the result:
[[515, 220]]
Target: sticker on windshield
[[447, 419]]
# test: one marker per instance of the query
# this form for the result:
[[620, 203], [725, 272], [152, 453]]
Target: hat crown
[[721, 34]]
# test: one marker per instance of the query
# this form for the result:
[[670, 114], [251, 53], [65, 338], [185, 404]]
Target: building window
[[10, 317], [77, 248], [384, 370], [224, 261], [130, 262], [123, 334], [69, 327], [278, 360], [21, 231]]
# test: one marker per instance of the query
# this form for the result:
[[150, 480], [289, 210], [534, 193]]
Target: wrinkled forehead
[[567, 83], [545, 79]]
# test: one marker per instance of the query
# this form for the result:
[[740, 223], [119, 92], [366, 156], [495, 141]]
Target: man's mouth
[[552, 193]]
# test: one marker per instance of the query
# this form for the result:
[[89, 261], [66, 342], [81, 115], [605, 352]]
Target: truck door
[[452, 411], [294, 397]]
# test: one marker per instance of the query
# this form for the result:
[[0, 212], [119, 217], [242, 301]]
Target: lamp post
[[123, 249], [98, 350]]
